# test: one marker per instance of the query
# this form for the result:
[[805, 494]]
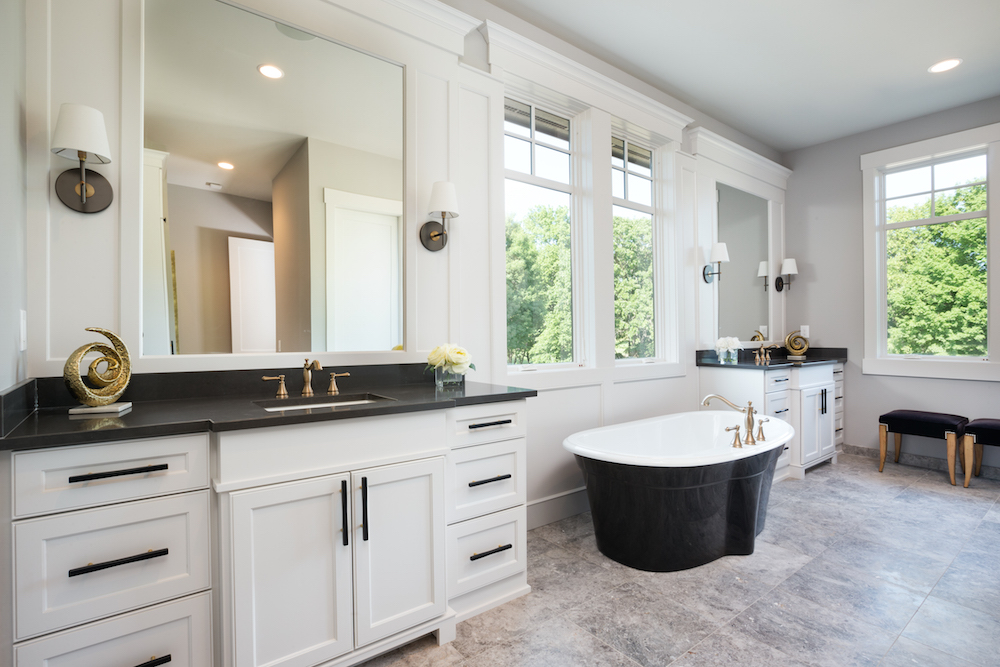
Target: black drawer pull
[[116, 473], [156, 661], [498, 423], [487, 481], [838, 397], [785, 449], [94, 567], [778, 412], [782, 380], [839, 430], [835, 372], [364, 509], [491, 552], [343, 509]]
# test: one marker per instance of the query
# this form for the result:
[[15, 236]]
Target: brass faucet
[[736, 439], [307, 376], [282, 392], [760, 429], [749, 411], [762, 355], [333, 389]]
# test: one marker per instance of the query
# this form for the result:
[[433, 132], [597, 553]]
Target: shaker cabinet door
[[292, 573], [399, 547]]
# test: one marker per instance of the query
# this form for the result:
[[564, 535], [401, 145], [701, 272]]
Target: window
[[632, 196], [538, 201], [929, 311], [934, 220]]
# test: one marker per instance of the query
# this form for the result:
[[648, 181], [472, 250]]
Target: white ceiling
[[790, 73]]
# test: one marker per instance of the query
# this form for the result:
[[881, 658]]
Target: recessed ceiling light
[[945, 65], [270, 71], [225, 165]]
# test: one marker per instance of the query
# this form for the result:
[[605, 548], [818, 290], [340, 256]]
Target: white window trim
[[876, 361]]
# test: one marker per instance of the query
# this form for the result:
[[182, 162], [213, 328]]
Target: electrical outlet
[[763, 329], [804, 330], [24, 330]]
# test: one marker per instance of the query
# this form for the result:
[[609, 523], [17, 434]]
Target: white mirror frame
[[719, 160]]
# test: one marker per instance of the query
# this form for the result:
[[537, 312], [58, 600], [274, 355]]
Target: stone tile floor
[[853, 568]]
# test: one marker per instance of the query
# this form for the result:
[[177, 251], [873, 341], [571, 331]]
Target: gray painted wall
[[13, 225], [201, 223], [823, 231]]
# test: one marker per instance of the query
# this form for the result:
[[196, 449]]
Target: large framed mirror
[[743, 227], [298, 247]]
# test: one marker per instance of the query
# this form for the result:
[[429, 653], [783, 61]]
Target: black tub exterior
[[667, 519]]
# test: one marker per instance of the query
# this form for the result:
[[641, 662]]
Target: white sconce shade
[[719, 253], [80, 134], [443, 203], [789, 268], [762, 269], [80, 129]]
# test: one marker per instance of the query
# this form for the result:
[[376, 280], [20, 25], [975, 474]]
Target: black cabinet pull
[[94, 567], [839, 430], [838, 397], [343, 509], [364, 508], [778, 412], [117, 473], [487, 481], [491, 552], [835, 372], [782, 380], [156, 661], [485, 424]]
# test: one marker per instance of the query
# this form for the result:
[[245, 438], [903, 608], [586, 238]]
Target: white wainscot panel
[[641, 399], [555, 414]]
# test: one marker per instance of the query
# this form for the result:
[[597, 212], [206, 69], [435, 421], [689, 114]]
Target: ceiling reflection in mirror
[[298, 246], [743, 307]]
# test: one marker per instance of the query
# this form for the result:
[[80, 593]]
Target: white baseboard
[[556, 507]]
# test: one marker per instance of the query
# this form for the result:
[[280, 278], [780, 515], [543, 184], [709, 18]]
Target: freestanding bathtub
[[671, 492]]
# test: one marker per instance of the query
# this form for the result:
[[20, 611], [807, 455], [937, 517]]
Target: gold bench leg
[[950, 439], [967, 465], [979, 457], [899, 440], [883, 432]]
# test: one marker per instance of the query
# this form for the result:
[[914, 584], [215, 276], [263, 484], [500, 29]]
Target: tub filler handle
[[736, 441], [760, 429]]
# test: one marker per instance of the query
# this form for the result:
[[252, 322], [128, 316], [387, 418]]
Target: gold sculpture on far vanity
[[110, 383], [796, 345]]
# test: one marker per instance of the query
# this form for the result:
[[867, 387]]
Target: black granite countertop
[[51, 425], [822, 355]]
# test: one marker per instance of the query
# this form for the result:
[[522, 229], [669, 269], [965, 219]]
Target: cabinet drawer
[[838, 403], [777, 404], [784, 459], [838, 428], [484, 550], [151, 550], [476, 424], [181, 630], [777, 380], [48, 480], [485, 478]]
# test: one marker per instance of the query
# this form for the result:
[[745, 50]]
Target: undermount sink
[[311, 402]]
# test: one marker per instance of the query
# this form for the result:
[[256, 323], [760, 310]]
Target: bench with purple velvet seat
[[929, 425]]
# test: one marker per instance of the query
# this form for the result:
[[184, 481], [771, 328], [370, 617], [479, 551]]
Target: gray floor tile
[[769, 563], [956, 630], [985, 539], [557, 643], [854, 594], [994, 514], [647, 627], [979, 487], [812, 633], [908, 653], [424, 652], [502, 625], [972, 581], [912, 534], [560, 579], [833, 518], [914, 570], [945, 504], [566, 531], [729, 648], [797, 535]]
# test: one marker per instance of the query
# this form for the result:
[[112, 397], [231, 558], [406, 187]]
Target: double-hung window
[[928, 255], [538, 200], [632, 210]]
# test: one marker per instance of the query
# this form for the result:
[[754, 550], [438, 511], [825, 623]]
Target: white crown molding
[[499, 37], [708, 144], [439, 13]]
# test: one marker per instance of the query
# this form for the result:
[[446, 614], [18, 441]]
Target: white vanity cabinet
[[104, 529], [838, 412], [804, 396]]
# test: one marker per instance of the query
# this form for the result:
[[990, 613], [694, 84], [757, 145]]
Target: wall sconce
[[788, 268], [444, 202], [81, 135], [718, 255], [762, 272]]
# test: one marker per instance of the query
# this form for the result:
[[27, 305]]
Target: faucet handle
[[760, 429], [333, 390], [736, 441], [282, 392]]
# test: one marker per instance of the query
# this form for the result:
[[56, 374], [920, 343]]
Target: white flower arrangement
[[727, 344], [451, 359]]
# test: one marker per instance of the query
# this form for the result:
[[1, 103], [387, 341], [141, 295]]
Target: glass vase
[[728, 356], [446, 379]]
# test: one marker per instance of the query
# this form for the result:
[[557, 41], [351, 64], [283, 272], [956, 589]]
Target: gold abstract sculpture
[[796, 345], [110, 383]]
